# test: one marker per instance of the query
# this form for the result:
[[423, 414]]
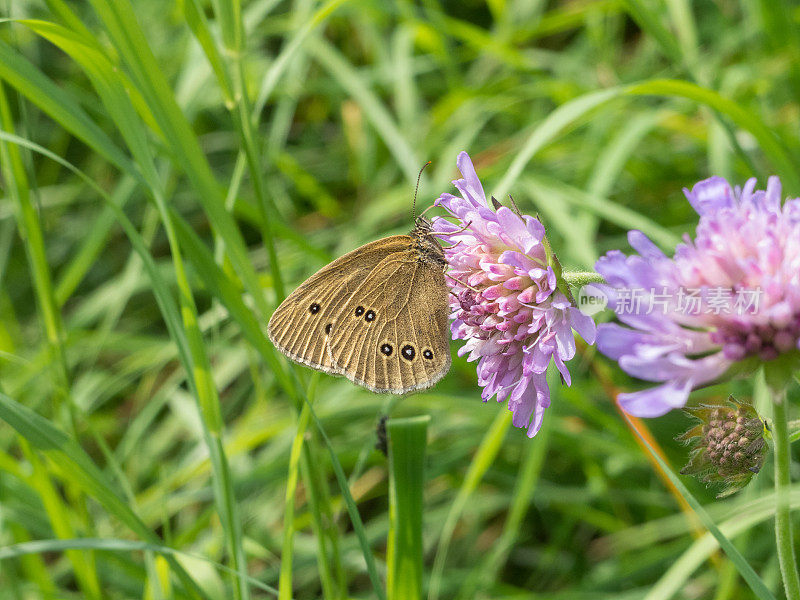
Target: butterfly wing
[[300, 326], [392, 334]]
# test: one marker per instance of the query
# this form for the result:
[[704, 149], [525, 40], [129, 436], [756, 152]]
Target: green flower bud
[[727, 445]]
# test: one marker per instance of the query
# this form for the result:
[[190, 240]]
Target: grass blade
[[487, 451], [674, 579], [69, 459], [407, 444], [547, 130], [745, 570], [62, 108], [287, 552], [746, 119], [117, 545]]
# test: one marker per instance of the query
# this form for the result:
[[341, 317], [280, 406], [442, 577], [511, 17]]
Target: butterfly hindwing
[[300, 326], [391, 335]]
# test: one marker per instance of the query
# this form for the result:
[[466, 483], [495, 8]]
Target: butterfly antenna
[[416, 189], [427, 209]]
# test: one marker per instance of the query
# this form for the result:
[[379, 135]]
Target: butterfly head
[[427, 245], [422, 226]]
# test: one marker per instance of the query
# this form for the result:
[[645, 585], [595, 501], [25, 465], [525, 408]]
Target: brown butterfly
[[377, 315]]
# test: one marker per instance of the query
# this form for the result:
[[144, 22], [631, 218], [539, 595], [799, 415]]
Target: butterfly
[[377, 315]]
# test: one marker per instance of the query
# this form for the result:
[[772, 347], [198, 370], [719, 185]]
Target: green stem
[[783, 523], [579, 278]]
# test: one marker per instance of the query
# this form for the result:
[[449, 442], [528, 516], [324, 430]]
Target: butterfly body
[[377, 315]]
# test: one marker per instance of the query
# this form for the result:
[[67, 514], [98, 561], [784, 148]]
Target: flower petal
[[644, 245], [470, 186], [710, 195], [583, 324], [657, 401]]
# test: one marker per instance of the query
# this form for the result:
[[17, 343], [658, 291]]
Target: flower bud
[[727, 445]]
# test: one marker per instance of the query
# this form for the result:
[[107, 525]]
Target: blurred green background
[[171, 169]]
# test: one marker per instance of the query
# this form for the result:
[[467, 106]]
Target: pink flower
[[728, 298], [505, 301]]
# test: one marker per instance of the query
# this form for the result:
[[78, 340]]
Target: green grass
[[171, 170]]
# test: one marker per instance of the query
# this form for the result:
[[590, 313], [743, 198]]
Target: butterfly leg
[[465, 227], [466, 285], [456, 244]]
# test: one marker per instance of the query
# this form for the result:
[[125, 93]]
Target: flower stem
[[783, 524], [579, 278]]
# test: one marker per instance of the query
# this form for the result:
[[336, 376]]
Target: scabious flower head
[[727, 444], [728, 299], [505, 300]]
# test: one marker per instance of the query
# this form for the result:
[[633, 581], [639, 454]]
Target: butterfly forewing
[[377, 315], [300, 326], [392, 332]]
